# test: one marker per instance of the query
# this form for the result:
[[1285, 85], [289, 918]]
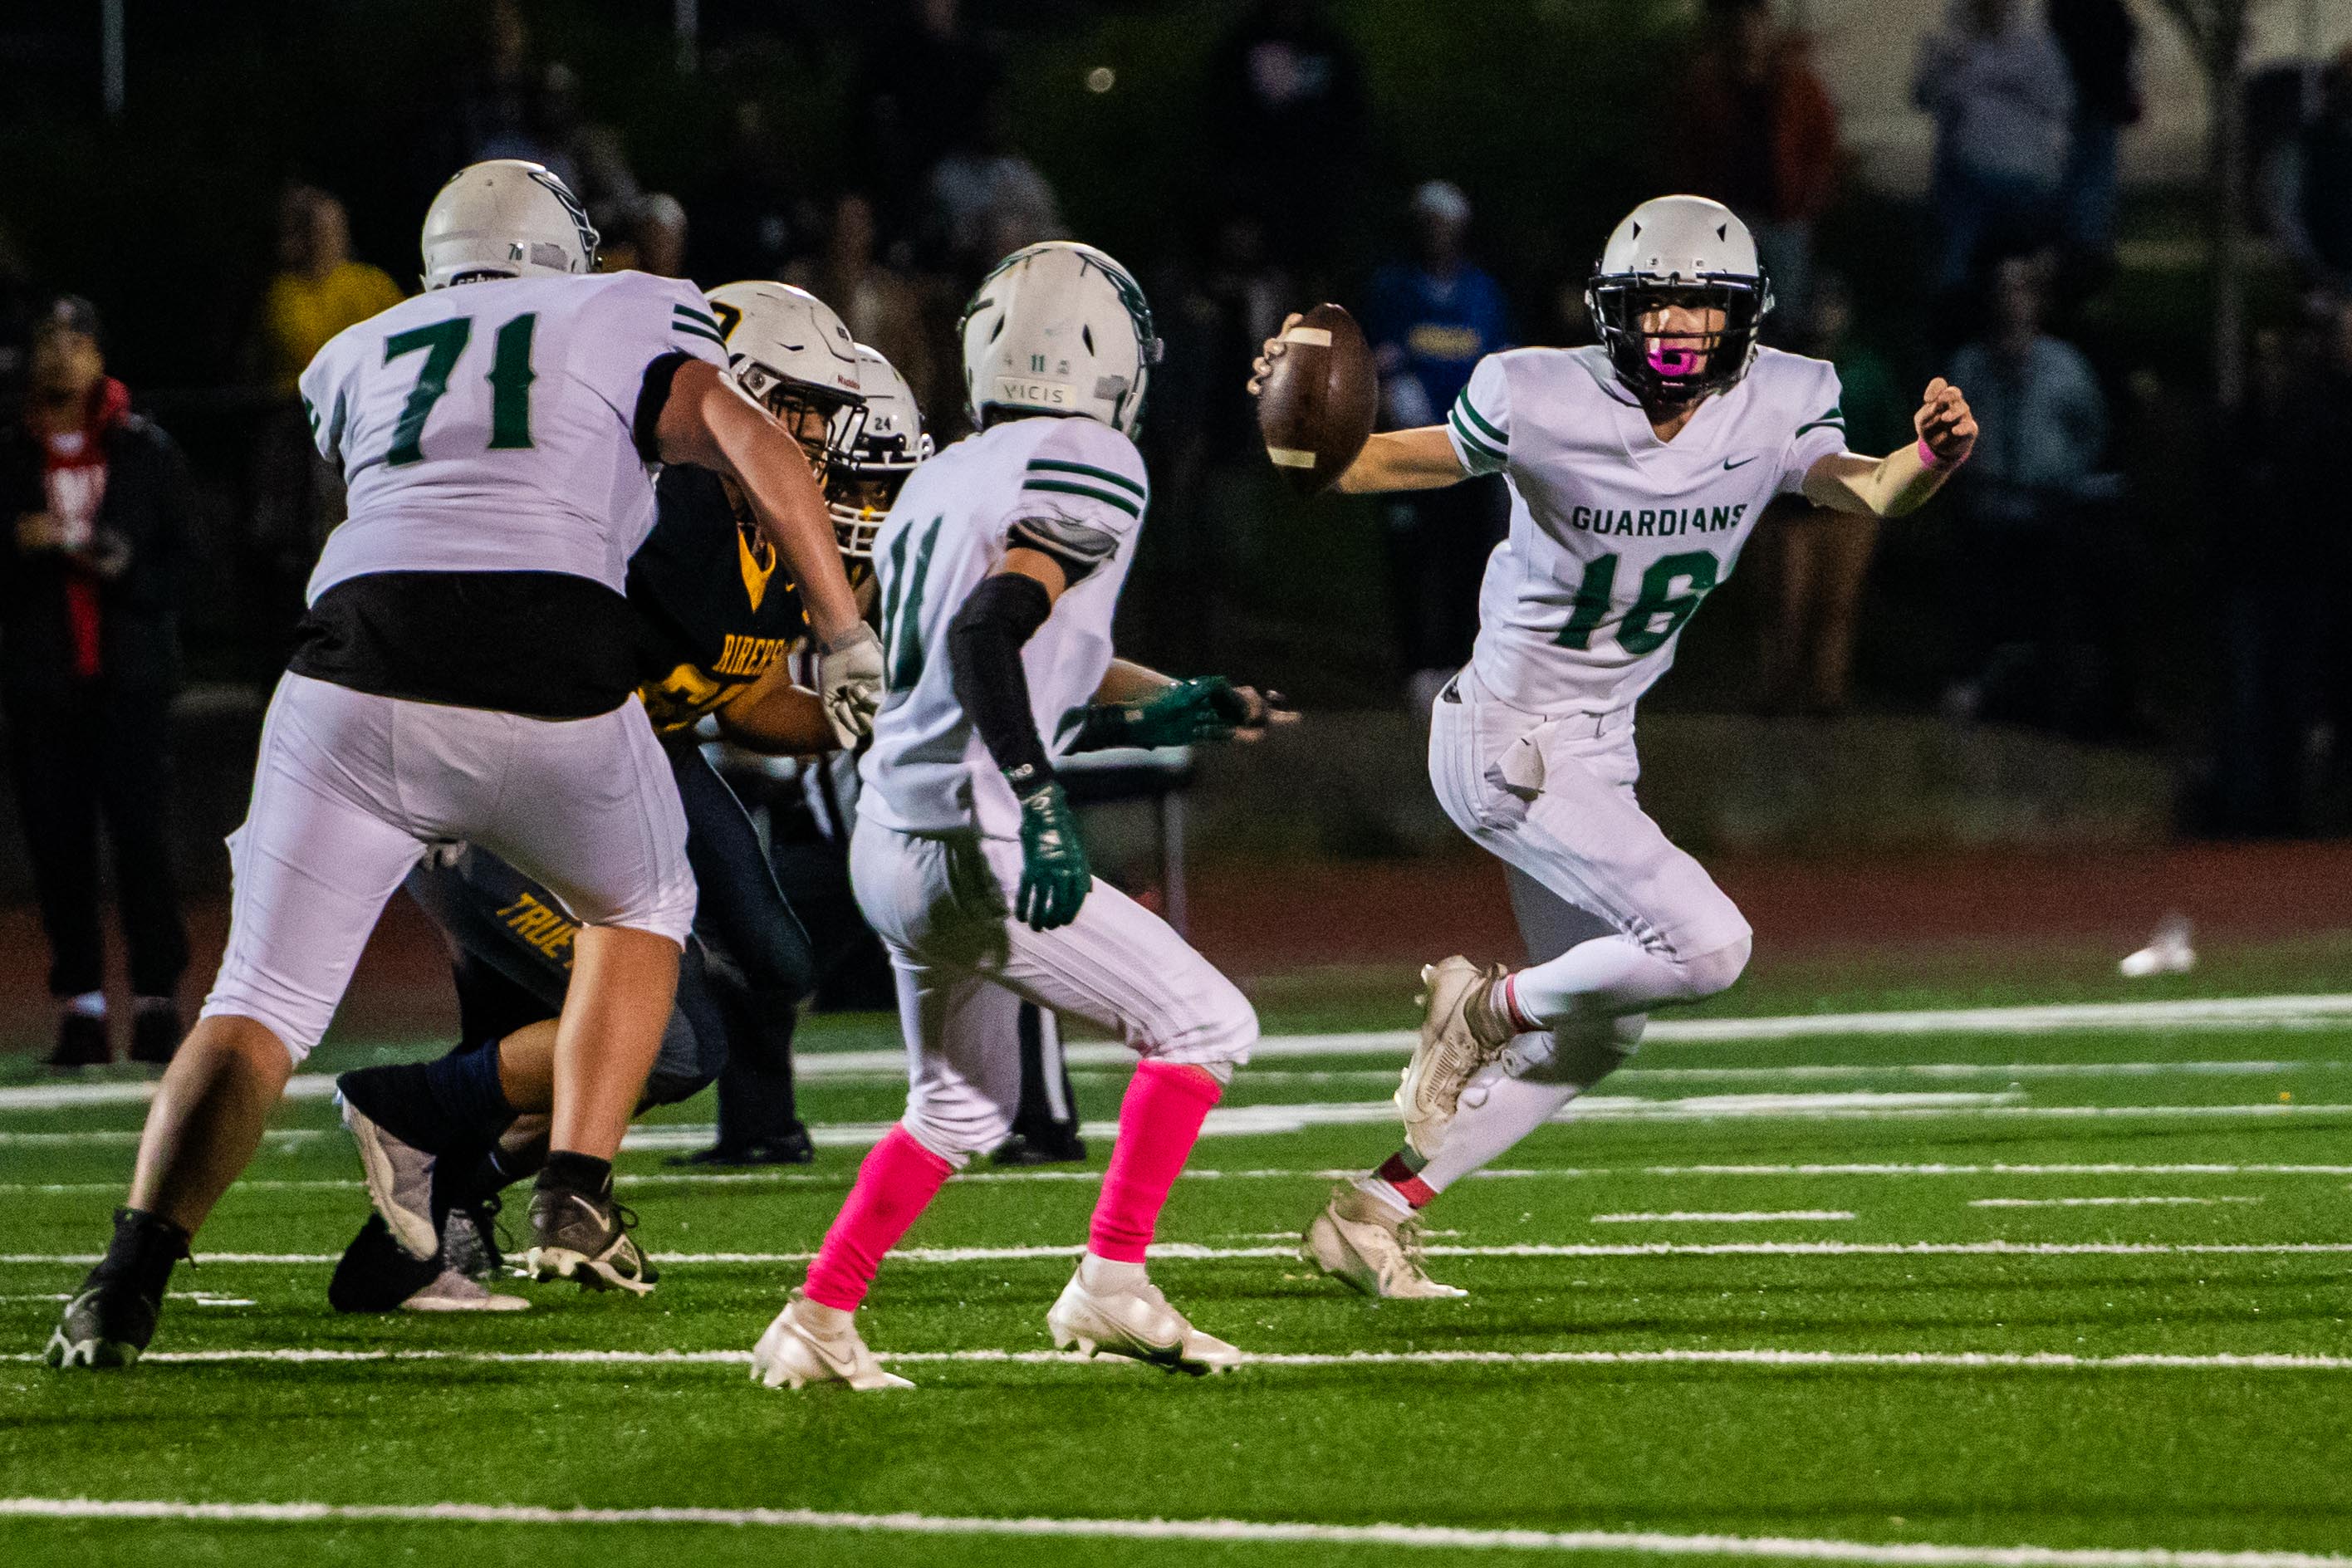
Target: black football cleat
[[376, 1273], [107, 1325], [584, 1238], [81, 1042], [790, 1147], [1059, 1146]]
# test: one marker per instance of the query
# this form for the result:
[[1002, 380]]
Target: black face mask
[[1696, 363]]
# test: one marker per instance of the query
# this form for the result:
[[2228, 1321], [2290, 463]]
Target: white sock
[[88, 1004], [1109, 1274], [1374, 1188], [1509, 1109], [1612, 974], [825, 1322]]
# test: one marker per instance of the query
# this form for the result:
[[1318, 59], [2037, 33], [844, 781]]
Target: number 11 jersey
[[1616, 537], [502, 426]]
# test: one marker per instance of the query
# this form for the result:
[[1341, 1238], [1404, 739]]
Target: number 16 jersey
[[1616, 537]]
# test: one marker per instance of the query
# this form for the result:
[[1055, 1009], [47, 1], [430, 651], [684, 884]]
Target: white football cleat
[[791, 1354], [1451, 1048], [1362, 1242], [455, 1292], [1134, 1320], [399, 1181]]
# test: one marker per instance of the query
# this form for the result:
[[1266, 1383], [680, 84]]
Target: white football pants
[[351, 788], [943, 905]]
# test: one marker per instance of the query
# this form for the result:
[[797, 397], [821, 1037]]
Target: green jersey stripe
[[1112, 498], [1831, 424], [692, 330], [1055, 466], [1471, 439], [691, 314], [1495, 438]]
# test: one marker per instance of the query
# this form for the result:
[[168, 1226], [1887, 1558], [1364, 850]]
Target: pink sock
[[1159, 1122], [897, 1183]]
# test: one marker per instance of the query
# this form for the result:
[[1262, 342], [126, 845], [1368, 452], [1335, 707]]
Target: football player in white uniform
[[465, 671], [1636, 469], [1000, 565]]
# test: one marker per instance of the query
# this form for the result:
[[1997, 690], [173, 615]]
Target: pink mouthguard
[[1673, 363]]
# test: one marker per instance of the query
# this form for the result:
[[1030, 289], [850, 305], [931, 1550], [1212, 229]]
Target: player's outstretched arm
[[1901, 481], [1140, 707], [1417, 459], [707, 421], [984, 643]]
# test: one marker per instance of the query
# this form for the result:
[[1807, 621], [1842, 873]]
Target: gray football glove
[[849, 680]]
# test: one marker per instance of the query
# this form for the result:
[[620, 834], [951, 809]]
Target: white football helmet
[[864, 486], [1679, 250], [1059, 327], [506, 218], [792, 355]]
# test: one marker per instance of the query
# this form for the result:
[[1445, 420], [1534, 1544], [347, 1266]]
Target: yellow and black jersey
[[714, 607]]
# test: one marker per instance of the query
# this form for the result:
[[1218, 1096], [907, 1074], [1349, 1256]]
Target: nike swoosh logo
[[1729, 465]]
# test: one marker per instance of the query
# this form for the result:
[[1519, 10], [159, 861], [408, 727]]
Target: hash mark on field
[[2100, 1203], [1741, 1217], [1656, 1543]]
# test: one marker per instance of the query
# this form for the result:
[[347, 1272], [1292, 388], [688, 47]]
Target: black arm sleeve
[[653, 396], [984, 643]]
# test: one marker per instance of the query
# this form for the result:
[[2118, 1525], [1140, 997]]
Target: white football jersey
[[1074, 486], [489, 426], [1615, 536]]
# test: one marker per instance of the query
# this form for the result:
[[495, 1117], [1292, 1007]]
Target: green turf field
[[1856, 1295]]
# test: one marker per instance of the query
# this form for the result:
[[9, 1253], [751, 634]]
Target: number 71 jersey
[[1617, 536], [496, 426]]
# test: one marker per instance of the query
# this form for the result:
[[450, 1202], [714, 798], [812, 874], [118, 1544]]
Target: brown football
[[1316, 406]]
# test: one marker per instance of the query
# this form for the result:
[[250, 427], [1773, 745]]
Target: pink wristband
[[1928, 455]]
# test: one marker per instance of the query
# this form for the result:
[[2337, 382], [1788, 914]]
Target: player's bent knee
[[1710, 972], [1217, 1033], [958, 1132], [248, 1015]]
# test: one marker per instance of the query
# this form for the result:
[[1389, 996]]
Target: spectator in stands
[[1758, 133], [1430, 319], [1288, 126], [2025, 576], [881, 306], [2100, 43], [985, 200], [1996, 84], [320, 288], [1816, 560], [2309, 187], [649, 238], [99, 503]]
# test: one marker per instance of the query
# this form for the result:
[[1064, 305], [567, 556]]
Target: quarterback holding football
[[1637, 468]]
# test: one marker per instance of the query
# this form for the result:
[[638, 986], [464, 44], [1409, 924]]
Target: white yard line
[[1945, 1361], [1226, 1532], [2148, 1201], [1741, 1217], [2227, 1013], [1178, 1251]]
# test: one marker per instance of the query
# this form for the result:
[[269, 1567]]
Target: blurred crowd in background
[[2122, 562]]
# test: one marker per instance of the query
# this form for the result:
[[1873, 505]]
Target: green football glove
[[1183, 714], [1055, 878]]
